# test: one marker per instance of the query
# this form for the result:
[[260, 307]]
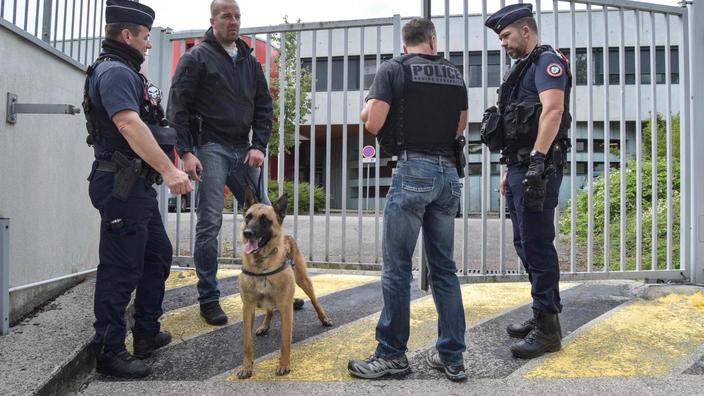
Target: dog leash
[[256, 187], [288, 261]]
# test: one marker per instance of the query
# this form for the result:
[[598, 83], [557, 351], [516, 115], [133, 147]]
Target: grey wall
[[44, 162]]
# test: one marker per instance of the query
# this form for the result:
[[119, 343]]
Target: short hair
[[526, 21], [113, 30], [418, 31], [215, 6]]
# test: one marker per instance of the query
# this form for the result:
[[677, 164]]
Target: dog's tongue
[[251, 246]]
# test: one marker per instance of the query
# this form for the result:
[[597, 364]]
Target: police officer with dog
[[529, 126], [132, 144], [417, 108]]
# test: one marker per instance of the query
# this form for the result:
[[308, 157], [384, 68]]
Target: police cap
[[508, 15], [126, 11]]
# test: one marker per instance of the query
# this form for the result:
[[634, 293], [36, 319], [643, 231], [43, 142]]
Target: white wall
[[44, 162]]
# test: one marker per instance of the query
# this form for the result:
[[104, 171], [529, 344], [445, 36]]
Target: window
[[321, 72]]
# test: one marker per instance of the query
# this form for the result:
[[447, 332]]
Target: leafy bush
[[303, 196], [630, 204]]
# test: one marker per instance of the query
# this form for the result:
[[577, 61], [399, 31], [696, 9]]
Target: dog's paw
[[262, 331], [327, 322], [244, 373], [282, 370]]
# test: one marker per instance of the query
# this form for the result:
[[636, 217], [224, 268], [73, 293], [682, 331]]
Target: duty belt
[[517, 157], [146, 173]]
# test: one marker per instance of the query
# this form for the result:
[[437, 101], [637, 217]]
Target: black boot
[[545, 337], [213, 314], [522, 330], [144, 346], [120, 364]]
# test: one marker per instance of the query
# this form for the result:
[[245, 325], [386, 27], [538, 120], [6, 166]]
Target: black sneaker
[[297, 304], [213, 313], [144, 346], [121, 365], [376, 367], [453, 372]]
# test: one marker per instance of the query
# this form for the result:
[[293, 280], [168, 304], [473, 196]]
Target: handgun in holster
[[127, 174], [460, 159], [555, 158]]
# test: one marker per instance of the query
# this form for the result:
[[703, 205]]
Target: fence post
[[696, 42], [46, 21], [5, 276]]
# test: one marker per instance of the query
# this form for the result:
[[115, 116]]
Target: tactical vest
[[514, 124], [424, 114], [104, 135]]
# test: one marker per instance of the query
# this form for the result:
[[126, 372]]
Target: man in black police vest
[[417, 107], [530, 128], [126, 128]]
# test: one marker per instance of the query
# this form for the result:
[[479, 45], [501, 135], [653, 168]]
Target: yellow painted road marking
[[186, 322], [188, 276], [325, 358], [643, 338]]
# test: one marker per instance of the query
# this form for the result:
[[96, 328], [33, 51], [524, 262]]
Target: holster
[[126, 175], [460, 159]]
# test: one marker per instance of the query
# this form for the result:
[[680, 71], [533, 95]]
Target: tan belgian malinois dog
[[272, 266]]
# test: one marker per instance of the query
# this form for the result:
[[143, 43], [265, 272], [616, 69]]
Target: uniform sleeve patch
[[554, 70]]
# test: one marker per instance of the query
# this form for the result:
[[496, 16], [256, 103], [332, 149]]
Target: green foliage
[[289, 93], [303, 196], [615, 214]]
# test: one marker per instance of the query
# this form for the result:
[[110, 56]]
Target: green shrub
[[303, 196], [582, 206]]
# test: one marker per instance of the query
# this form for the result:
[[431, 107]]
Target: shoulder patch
[[554, 70]]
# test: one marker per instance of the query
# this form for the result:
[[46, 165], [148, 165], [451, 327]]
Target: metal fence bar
[[235, 225], [328, 147], [556, 219], [63, 34], [447, 29], [85, 56], [282, 114], [668, 129], [73, 25], [56, 22], [360, 136], [465, 187], [311, 203], [14, 12], [639, 147], [80, 30], [297, 135], [267, 68], [590, 144], [178, 216], [345, 86], [26, 13], [95, 21], [607, 144], [686, 107], [573, 138], [653, 151], [2, 8], [538, 18], [502, 197], [46, 20], [378, 165], [622, 140], [486, 167], [4, 276]]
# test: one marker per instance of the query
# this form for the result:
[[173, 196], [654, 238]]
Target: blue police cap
[[508, 15], [126, 11]]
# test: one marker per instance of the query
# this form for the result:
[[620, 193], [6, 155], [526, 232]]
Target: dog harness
[[288, 261]]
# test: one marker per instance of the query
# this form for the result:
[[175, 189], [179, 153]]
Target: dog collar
[[288, 260]]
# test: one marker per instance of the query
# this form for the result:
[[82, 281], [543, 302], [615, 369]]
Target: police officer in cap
[[128, 132], [417, 108], [529, 127]]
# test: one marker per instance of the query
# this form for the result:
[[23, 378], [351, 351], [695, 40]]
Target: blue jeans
[[425, 191], [222, 166], [533, 235]]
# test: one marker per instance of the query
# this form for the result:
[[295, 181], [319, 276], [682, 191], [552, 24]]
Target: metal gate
[[630, 63]]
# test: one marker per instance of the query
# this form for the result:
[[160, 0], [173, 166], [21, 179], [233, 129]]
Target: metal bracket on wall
[[14, 108]]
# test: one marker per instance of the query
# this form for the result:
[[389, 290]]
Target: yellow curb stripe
[[186, 277], [325, 358], [642, 339], [186, 322]]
